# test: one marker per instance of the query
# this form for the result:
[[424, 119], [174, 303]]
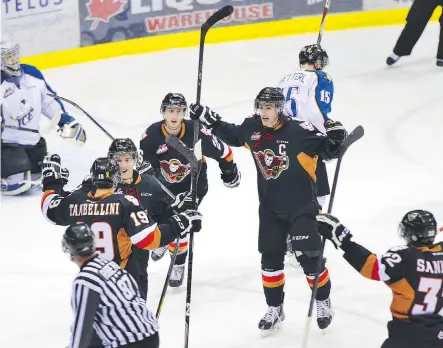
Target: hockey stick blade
[[355, 135], [180, 146], [216, 17]]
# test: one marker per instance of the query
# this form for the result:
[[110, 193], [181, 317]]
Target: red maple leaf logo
[[103, 10]]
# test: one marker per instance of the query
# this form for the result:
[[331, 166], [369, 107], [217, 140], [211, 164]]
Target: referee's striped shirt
[[106, 298]]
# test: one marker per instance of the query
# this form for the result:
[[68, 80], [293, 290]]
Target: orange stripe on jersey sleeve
[[230, 156], [151, 241], [45, 195], [370, 269]]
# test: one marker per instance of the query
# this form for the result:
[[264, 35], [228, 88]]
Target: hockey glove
[[65, 175], [335, 131], [70, 129], [204, 114], [231, 178], [187, 222], [331, 228], [52, 173]]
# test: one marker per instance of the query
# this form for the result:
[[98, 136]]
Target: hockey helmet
[[270, 95], [123, 146], [78, 240], [105, 173], [315, 55], [418, 228], [174, 100], [10, 58]]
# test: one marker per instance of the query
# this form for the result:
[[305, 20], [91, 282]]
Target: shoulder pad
[[132, 199], [32, 71]]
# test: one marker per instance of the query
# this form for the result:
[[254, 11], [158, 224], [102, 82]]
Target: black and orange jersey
[[172, 168], [414, 274], [150, 194], [118, 222], [285, 158]]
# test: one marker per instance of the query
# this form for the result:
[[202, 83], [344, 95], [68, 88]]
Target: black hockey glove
[[52, 173], [335, 131], [331, 228], [204, 114], [183, 201], [231, 177], [187, 222]]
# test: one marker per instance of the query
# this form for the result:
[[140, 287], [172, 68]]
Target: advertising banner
[[370, 5], [115, 20], [41, 26]]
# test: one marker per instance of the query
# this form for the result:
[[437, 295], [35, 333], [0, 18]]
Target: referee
[[416, 21], [105, 298]]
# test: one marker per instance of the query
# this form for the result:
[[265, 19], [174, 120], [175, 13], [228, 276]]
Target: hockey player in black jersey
[[174, 170], [118, 220], [413, 272], [143, 187], [285, 153]]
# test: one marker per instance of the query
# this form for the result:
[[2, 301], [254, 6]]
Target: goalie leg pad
[[14, 160], [36, 154]]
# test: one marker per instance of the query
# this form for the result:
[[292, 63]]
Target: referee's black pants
[[416, 21]]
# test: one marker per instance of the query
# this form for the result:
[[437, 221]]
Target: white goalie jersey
[[23, 103]]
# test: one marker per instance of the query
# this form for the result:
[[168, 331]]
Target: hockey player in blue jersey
[[25, 98], [309, 92]]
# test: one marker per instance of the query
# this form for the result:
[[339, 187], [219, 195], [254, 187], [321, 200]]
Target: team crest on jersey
[[206, 131], [255, 136], [132, 199], [162, 149], [10, 90], [26, 111], [271, 165], [174, 171]]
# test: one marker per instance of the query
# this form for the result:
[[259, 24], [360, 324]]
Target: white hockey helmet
[[10, 58]]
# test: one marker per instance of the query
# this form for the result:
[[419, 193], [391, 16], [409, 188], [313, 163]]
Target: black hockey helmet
[[270, 95], [174, 100], [78, 240], [418, 228], [123, 146], [105, 173], [315, 55]]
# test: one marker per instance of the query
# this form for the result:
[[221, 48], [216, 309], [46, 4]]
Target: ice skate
[[392, 59], [324, 313], [158, 253], [271, 321], [177, 276]]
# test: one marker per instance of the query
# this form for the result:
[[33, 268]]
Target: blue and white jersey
[[23, 100], [308, 96]]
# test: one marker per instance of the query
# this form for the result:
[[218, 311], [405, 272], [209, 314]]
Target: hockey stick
[[168, 276], [211, 21], [84, 111], [355, 135], [20, 128], [323, 21]]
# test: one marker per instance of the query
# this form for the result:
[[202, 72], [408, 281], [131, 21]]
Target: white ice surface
[[396, 167]]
